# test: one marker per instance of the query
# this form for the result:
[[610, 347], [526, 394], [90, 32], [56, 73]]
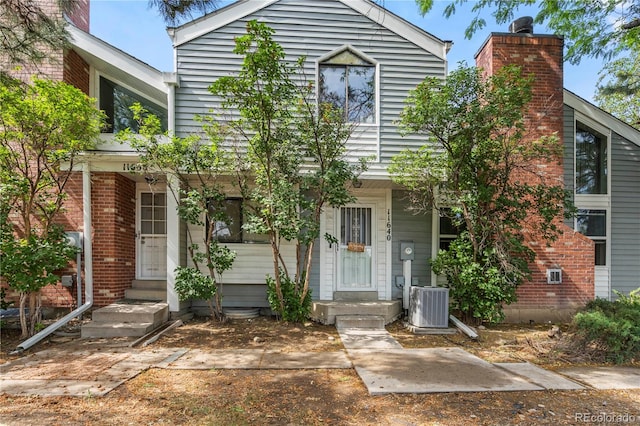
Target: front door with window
[[152, 235], [356, 252]]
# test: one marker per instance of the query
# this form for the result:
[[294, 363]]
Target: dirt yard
[[313, 397]]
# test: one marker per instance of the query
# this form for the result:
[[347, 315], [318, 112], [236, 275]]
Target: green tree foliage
[[43, 127], [172, 11], [618, 90], [292, 162], [194, 168], [598, 29], [475, 165], [29, 34]]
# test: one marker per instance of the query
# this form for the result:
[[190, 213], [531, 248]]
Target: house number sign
[[388, 224], [132, 167]]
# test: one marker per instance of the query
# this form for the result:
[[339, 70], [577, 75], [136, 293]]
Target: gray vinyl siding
[[569, 153], [313, 29], [407, 226], [238, 296], [625, 215]]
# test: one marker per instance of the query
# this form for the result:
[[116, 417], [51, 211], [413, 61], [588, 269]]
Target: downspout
[[88, 268]]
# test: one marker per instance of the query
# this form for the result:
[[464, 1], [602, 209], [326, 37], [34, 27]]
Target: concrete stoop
[[126, 319], [326, 312], [152, 290]]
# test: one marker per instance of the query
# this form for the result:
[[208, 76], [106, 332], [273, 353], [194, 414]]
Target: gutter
[[88, 268]]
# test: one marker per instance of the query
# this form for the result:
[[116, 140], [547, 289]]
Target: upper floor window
[[591, 161], [116, 102], [348, 82]]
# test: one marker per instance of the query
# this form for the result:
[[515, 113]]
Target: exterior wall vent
[[429, 307], [554, 276], [522, 25]]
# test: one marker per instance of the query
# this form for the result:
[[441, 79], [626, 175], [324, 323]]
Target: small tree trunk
[[219, 312], [24, 326], [34, 312], [216, 310], [307, 271], [277, 278]]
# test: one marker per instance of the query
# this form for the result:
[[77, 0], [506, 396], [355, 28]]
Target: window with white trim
[[449, 230], [116, 102], [593, 224], [231, 230], [348, 82], [591, 161]]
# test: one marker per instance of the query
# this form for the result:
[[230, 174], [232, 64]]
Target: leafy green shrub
[[193, 284], [294, 310], [611, 330], [478, 288]]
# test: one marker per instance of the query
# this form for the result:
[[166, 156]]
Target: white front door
[[152, 235], [356, 251]]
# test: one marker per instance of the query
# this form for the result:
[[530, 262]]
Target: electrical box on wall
[[74, 239], [407, 250], [67, 280], [554, 276]]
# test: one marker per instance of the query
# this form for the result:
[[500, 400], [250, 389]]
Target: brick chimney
[[542, 56], [75, 69], [66, 66], [79, 14]]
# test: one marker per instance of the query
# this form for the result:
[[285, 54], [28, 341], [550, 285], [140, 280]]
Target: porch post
[[173, 243]]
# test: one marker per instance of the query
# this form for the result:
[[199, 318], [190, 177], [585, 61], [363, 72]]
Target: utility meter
[[407, 250]]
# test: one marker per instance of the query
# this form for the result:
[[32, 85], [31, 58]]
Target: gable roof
[[599, 115], [119, 64], [376, 13]]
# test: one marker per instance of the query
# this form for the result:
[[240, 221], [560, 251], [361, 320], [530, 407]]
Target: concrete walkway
[[383, 365]]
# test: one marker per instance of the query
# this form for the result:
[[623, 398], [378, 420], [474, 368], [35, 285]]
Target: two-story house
[[137, 239]]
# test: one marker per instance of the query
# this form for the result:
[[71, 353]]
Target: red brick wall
[[72, 220], [113, 217], [76, 71], [541, 55], [113, 208], [57, 68], [80, 14]]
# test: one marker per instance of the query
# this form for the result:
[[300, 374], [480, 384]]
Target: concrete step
[[375, 322], [155, 313], [97, 329], [355, 296], [325, 312], [125, 319], [146, 294], [150, 284]]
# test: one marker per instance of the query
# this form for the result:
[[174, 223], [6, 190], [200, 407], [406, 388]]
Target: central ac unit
[[429, 307]]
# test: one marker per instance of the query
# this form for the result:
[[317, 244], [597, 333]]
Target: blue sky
[[133, 27]]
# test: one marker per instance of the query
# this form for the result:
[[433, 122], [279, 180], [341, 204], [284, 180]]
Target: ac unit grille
[[429, 307]]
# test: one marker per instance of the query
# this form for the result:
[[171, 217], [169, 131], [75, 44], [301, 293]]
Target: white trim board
[[601, 117]]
